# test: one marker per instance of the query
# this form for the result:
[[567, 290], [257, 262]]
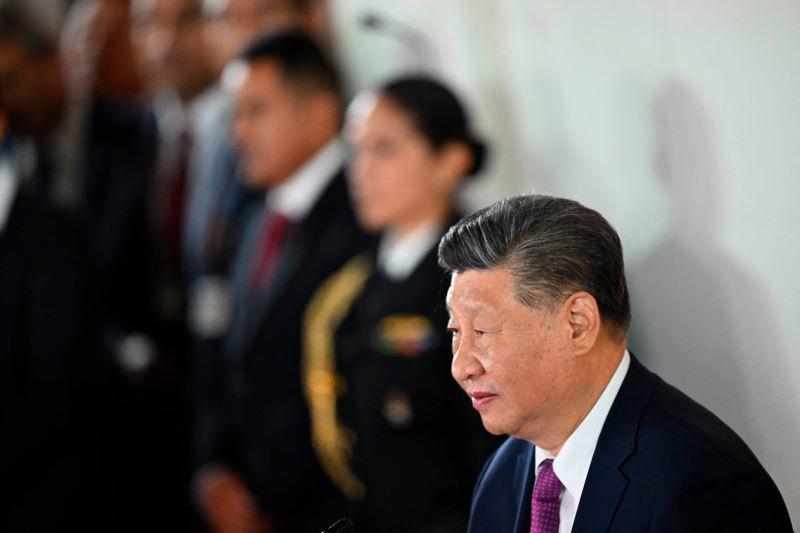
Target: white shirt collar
[[8, 189], [572, 463], [399, 256], [296, 196]]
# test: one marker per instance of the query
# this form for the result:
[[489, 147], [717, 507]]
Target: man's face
[[271, 126], [170, 45], [234, 23], [511, 359], [24, 93]]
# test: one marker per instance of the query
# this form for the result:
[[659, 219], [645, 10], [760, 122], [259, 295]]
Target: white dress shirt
[[572, 463], [8, 189], [295, 197], [399, 256]]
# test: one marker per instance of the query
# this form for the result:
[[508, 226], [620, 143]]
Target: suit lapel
[[260, 302], [602, 493], [523, 483], [606, 483], [256, 305], [240, 280]]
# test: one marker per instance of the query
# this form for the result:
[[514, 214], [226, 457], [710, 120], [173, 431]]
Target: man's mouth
[[481, 399]]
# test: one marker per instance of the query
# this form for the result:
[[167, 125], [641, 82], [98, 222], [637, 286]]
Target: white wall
[[678, 120]]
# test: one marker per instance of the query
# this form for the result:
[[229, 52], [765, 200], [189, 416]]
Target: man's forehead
[[478, 291], [463, 305]]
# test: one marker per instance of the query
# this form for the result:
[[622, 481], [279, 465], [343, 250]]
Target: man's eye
[[479, 333], [452, 331]]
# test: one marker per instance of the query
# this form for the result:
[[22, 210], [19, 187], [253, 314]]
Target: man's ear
[[455, 160], [583, 316]]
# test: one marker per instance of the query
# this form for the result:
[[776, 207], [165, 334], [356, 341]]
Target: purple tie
[[546, 500]]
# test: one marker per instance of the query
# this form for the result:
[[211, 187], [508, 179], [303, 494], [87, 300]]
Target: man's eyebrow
[[471, 308]]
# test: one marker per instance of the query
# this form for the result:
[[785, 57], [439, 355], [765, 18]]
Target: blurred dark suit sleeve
[[47, 372], [119, 173]]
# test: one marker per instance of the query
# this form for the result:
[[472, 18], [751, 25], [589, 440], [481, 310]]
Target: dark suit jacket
[[662, 463], [47, 372], [119, 169], [263, 431]]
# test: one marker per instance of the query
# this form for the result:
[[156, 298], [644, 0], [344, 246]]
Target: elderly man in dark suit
[[539, 312], [261, 472]]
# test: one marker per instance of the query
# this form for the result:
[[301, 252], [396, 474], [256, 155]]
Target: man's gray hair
[[553, 247]]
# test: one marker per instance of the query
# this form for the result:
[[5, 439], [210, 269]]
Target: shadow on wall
[[700, 319]]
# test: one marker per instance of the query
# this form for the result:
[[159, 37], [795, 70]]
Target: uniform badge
[[397, 409], [406, 335], [210, 307]]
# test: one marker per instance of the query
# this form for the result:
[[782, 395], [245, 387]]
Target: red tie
[[175, 197], [275, 226]]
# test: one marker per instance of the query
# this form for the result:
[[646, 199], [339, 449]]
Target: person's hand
[[229, 506]]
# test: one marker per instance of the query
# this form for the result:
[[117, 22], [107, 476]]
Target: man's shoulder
[[500, 487], [679, 441], [682, 434], [682, 466]]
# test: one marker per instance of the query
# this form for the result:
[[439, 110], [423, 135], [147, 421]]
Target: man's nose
[[465, 364]]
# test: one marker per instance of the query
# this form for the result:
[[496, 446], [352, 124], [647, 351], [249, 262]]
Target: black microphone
[[421, 50], [343, 525]]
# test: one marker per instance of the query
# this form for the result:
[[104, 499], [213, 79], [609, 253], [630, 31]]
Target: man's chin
[[254, 178], [493, 428]]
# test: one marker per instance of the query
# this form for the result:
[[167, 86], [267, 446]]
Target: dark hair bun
[[480, 153], [437, 114]]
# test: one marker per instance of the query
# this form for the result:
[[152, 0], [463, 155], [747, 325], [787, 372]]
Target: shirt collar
[[174, 117], [8, 189], [399, 256], [572, 463], [295, 197]]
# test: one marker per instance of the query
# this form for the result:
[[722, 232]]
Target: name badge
[[210, 307]]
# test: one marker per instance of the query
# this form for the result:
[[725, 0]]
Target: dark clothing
[[418, 445], [48, 370], [144, 421], [262, 426], [662, 463], [121, 143]]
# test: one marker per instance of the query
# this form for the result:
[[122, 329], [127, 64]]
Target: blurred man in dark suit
[[539, 313], [219, 199], [48, 365], [260, 470]]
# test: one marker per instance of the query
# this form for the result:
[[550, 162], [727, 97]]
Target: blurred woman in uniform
[[390, 425]]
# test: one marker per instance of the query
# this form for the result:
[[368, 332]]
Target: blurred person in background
[[220, 198], [48, 363], [150, 433], [85, 117], [388, 425], [260, 472], [233, 24], [169, 50], [34, 97], [113, 159]]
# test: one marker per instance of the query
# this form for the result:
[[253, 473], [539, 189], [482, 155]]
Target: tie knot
[[547, 487]]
